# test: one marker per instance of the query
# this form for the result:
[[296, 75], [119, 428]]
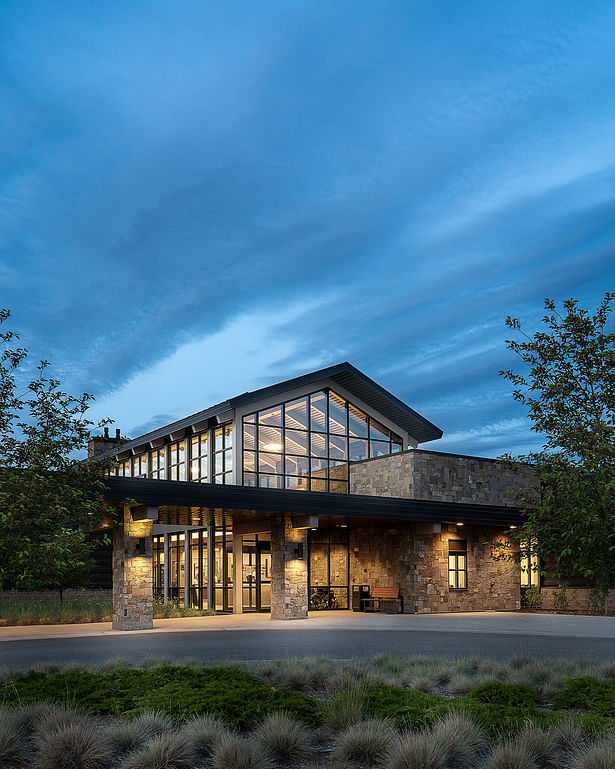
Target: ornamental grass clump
[[80, 745], [568, 737], [235, 752], [543, 745], [285, 738], [56, 717], [346, 709], [416, 750], [204, 734], [460, 740], [511, 755], [124, 736], [600, 755], [14, 746], [365, 744], [167, 751]]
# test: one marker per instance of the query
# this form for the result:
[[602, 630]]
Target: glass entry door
[[329, 568], [256, 572]]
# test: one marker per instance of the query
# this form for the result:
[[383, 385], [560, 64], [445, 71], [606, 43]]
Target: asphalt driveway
[[496, 635]]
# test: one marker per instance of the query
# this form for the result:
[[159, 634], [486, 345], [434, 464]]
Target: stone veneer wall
[[442, 477], [289, 574], [133, 575], [407, 556], [582, 600]]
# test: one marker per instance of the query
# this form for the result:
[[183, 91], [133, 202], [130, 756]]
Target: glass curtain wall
[[223, 568], [308, 443], [186, 459], [196, 573], [158, 567], [198, 569], [329, 568], [223, 453], [177, 567]]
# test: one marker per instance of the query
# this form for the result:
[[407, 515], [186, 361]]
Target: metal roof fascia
[[186, 493], [432, 432]]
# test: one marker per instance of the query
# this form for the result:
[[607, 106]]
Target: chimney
[[101, 444]]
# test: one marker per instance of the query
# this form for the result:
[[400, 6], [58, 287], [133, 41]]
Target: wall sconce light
[[298, 550]]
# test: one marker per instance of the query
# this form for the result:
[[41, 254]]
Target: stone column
[[133, 574], [289, 570]]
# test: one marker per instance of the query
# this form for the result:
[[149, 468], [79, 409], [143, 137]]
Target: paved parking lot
[[497, 635]]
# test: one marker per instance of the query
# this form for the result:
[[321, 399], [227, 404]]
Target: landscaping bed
[[48, 609], [388, 711]]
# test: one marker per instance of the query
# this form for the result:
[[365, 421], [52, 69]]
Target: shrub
[[234, 752], [587, 693], [559, 598], [285, 738], [532, 598], [167, 751], [497, 693], [76, 746], [203, 734], [367, 743], [236, 696], [403, 706]]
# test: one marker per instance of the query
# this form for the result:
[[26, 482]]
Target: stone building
[[307, 495]]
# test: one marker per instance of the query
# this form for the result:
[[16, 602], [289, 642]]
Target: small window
[[457, 564]]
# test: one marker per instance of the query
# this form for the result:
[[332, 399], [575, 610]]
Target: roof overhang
[[162, 494], [345, 375]]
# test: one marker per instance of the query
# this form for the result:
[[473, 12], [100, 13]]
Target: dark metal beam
[[146, 491]]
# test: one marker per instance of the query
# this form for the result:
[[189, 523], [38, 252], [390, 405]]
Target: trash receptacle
[[359, 593]]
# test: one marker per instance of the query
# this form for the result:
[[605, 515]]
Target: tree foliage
[[568, 387], [49, 498]]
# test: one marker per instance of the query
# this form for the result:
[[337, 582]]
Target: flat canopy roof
[[216, 497], [345, 374]]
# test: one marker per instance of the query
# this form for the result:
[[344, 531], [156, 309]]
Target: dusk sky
[[204, 198]]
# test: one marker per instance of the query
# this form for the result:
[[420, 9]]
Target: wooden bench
[[384, 599]]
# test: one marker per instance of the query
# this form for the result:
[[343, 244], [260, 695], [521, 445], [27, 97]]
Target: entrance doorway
[[256, 573], [329, 568]]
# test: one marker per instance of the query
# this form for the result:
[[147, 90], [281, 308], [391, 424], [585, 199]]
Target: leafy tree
[[49, 498], [568, 386]]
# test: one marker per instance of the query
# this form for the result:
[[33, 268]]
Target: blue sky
[[200, 198]]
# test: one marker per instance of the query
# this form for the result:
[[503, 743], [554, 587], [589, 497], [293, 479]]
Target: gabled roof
[[345, 374]]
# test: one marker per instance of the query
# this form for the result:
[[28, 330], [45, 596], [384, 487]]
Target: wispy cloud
[[236, 194]]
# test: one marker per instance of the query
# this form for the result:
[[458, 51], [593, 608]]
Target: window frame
[[455, 552], [313, 438]]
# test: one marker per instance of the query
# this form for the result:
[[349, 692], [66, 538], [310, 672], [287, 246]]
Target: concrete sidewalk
[[504, 623]]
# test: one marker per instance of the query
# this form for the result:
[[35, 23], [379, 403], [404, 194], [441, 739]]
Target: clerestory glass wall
[[308, 443], [188, 459]]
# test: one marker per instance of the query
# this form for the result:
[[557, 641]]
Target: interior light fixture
[[273, 447], [459, 523], [512, 527]]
